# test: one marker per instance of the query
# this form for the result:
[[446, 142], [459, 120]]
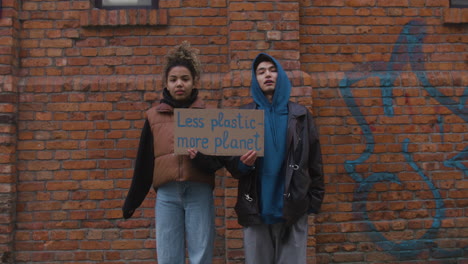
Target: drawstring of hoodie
[[272, 122]]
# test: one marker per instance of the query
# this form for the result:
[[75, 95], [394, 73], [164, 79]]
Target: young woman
[[184, 203]]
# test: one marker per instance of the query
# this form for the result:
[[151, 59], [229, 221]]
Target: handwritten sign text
[[222, 132]]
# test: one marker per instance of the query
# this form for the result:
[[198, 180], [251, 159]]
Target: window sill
[[455, 16], [124, 17]]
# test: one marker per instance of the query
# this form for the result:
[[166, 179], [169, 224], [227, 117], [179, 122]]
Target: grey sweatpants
[[276, 244]]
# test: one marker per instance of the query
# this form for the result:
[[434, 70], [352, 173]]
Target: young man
[[278, 191]]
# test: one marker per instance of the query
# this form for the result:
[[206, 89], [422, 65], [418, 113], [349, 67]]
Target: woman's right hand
[[249, 158], [192, 153]]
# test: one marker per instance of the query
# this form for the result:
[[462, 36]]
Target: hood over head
[[282, 89]]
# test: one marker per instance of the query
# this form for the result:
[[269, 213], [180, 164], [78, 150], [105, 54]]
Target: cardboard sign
[[220, 132]]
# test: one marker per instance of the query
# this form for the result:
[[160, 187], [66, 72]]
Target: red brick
[[61, 245], [38, 24], [93, 245], [54, 186], [56, 43], [93, 185], [77, 61], [360, 3], [72, 165]]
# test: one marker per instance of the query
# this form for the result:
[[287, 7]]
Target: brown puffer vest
[[167, 165]]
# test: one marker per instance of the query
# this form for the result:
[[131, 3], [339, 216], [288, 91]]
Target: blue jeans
[[185, 213]]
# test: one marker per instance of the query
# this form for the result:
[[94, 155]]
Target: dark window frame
[[154, 5], [458, 3]]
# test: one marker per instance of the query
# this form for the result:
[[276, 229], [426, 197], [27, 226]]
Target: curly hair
[[183, 55]]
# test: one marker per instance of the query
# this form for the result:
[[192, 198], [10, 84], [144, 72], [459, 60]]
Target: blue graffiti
[[407, 51], [456, 162]]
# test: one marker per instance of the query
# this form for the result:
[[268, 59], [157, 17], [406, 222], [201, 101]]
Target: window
[[126, 4], [458, 3]]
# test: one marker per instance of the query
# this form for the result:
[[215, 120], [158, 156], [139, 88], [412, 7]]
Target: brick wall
[[9, 33], [386, 80]]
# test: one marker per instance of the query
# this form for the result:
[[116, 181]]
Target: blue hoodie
[[271, 182]]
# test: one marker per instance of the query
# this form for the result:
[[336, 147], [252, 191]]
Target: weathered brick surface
[[9, 62], [387, 82]]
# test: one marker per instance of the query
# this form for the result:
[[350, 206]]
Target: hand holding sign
[[249, 158], [192, 153], [222, 132]]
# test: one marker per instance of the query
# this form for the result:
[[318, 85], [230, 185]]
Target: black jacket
[[302, 169]]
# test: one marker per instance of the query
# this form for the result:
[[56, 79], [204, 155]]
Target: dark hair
[[261, 58], [183, 55]]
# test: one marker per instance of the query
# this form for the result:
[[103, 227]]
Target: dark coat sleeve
[[210, 164], [207, 163], [317, 187], [143, 173]]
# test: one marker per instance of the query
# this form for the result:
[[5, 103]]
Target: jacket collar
[[163, 107], [296, 109]]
